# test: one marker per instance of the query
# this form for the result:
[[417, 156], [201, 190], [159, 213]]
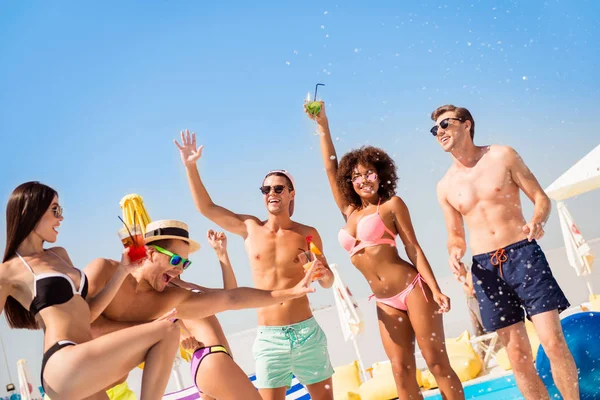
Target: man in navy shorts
[[511, 275]]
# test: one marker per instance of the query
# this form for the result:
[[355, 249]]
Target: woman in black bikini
[[40, 288]]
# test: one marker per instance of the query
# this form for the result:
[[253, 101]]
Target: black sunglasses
[[443, 124], [267, 189]]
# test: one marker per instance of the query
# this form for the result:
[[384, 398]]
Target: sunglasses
[[175, 258], [277, 189], [443, 124], [58, 211], [370, 176]]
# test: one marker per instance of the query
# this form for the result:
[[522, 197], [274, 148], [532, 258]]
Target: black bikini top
[[54, 288]]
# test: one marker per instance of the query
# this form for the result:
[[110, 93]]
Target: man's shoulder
[[101, 266], [104, 262], [253, 222], [251, 218], [303, 228], [501, 150], [445, 180]]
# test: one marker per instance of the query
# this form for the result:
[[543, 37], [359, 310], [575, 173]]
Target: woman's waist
[[58, 326], [57, 334], [375, 257], [389, 279]]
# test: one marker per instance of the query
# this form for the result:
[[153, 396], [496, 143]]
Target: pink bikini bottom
[[399, 301]]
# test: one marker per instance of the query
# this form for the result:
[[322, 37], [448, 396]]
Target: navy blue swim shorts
[[514, 280]]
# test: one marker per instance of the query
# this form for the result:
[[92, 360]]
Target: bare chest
[[483, 183], [275, 255], [137, 307]]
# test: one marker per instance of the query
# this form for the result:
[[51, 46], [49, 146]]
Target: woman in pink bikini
[[407, 294]]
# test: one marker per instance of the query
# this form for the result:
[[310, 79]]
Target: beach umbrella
[[350, 316], [582, 177], [579, 253], [27, 390]]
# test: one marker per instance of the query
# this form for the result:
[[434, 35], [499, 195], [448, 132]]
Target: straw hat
[[169, 229]]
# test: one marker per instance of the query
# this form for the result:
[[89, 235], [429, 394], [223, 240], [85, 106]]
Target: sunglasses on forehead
[[444, 124], [266, 189], [176, 259]]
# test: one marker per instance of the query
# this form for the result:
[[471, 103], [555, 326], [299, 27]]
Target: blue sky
[[93, 94]]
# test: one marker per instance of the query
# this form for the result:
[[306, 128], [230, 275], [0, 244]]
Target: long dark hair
[[26, 206]]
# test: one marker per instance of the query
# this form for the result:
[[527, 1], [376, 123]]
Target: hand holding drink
[[313, 107], [310, 257], [308, 260], [132, 239]]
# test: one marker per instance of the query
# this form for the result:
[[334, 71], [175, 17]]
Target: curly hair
[[367, 155]]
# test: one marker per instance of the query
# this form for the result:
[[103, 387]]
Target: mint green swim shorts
[[299, 349]]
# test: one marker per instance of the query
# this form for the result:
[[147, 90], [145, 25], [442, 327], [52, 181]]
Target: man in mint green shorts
[[289, 340], [299, 348]]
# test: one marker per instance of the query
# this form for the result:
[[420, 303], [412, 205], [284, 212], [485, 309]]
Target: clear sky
[[92, 95]]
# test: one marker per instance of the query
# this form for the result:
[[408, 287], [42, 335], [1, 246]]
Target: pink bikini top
[[369, 230]]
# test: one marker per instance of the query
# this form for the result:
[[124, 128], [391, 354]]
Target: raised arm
[[457, 245], [528, 183], [178, 282], [218, 241], [196, 306], [329, 157], [234, 223]]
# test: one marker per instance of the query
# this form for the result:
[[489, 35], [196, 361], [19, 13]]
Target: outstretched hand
[[303, 287], [188, 151]]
